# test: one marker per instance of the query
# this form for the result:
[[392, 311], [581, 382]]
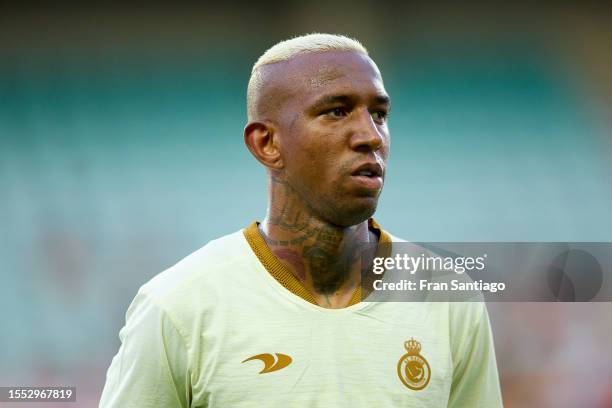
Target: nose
[[366, 135]]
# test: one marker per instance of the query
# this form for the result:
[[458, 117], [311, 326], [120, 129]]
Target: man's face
[[334, 135]]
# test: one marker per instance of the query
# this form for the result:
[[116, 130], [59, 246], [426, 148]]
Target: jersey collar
[[284, 276]]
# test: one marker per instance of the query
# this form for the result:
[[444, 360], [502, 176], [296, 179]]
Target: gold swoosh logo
[[270, 362]]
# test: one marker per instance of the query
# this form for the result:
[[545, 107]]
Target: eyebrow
[[331, 99]]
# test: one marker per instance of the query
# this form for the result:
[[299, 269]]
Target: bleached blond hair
[[288, 49]]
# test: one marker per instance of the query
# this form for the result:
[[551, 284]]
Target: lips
[[368, 170], [369, 176]]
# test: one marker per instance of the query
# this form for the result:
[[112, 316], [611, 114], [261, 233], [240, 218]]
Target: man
[[271, 316]]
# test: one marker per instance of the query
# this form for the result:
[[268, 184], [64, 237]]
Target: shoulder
[[199, 277], [464, 316], [394, 238]]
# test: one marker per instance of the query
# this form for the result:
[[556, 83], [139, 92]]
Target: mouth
[[369, 175]]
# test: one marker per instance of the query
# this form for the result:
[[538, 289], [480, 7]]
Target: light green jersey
[[221, 329]]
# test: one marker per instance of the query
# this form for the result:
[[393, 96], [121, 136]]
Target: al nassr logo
[[412, 368]]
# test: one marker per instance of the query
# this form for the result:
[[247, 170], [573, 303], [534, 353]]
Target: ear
[[263, 142]]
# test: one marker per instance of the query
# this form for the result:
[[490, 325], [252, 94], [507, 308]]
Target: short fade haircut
[[288, 49]]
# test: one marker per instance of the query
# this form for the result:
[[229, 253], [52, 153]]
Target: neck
[[323, 256]]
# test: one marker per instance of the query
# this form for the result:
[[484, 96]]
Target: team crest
[[412, 368]]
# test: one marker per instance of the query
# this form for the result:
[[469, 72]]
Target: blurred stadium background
[[121, 152]]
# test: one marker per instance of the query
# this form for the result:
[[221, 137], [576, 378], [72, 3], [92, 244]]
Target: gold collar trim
[[284, 276]]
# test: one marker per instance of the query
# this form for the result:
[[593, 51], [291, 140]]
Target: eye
[[337, 112], [380, 116]]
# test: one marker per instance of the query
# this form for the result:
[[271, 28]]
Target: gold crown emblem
[[412, 346]]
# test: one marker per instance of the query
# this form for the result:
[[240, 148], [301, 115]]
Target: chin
[[355, 212]]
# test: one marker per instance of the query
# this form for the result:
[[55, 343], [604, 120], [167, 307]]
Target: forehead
[[315, 74]]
